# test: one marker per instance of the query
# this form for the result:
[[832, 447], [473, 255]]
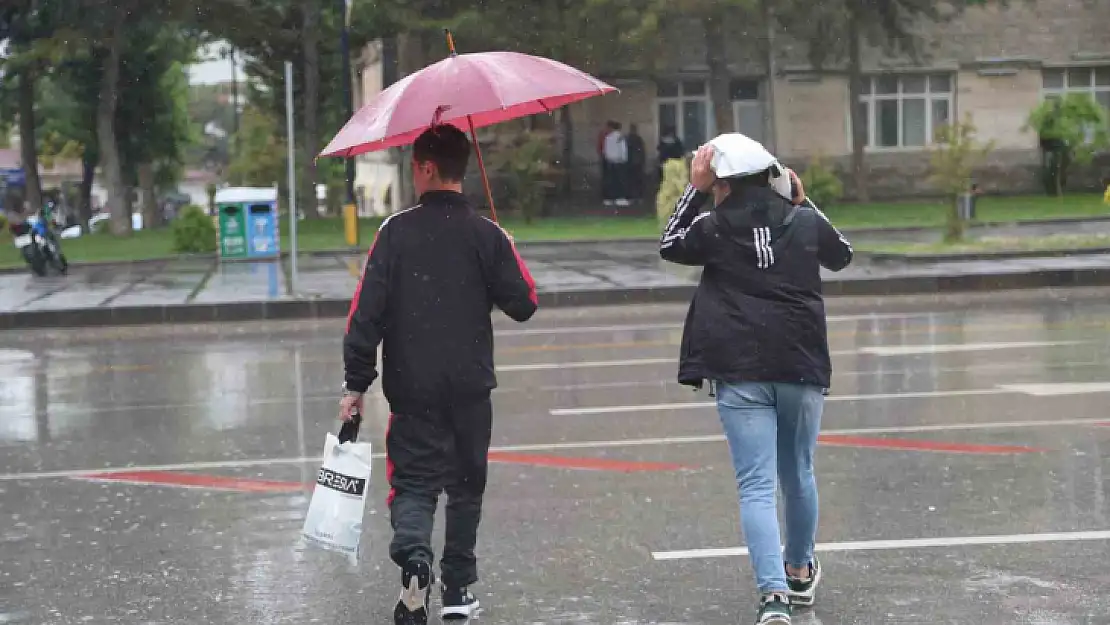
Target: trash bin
[[233, 231], [248, 222], [965, 205], [263, 221]]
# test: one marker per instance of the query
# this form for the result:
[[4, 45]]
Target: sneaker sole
[[807, 599], [412, 608], [776, 620], [460, 612]]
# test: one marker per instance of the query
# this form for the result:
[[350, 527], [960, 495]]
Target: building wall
[[999, 106], [811, 117]]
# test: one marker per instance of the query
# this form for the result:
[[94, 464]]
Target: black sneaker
[[774, 610], [803, 592], [416, 592], [458, 603]]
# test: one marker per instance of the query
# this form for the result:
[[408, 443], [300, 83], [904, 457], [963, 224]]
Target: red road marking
[[923, 445], [590, 464], [196, 480]]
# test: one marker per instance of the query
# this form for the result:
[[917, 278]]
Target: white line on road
[[1058, 388], [587, 364], [912, 543], [569, 412], [639, 327], [596, 444], [909, 350]]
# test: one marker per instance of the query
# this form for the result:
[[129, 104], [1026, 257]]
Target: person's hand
[[800, 191], [349, 405], [701, 170]]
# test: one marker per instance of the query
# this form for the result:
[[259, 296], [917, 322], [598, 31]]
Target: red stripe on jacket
[[527, 274], [358, 289]]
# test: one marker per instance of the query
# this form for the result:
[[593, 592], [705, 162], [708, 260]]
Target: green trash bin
[[233, 231]]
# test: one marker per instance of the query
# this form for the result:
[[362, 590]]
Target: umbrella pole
[[482, 168]]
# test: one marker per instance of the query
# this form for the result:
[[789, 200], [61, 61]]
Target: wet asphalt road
[[980, 432]]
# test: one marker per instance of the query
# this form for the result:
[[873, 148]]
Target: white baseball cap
[[737, 155]]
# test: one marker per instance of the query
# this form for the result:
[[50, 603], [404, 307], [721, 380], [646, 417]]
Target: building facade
[[994, 64]]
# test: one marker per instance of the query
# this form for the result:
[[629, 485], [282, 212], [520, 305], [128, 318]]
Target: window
[[905, 111], [1092, 80], [684, 106]]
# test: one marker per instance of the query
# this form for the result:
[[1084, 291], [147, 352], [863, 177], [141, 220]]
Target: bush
[[525, 165], [822, 184], [676, 175], [193, 231], [3, 222]]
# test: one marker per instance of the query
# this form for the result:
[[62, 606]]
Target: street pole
[[351, 205], [292, 178]]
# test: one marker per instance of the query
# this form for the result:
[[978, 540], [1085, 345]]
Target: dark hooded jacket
[[758, 314]]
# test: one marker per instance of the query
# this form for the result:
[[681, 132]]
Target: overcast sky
[[214, 70]]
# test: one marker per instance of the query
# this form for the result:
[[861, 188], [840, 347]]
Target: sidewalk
[[567, 275]]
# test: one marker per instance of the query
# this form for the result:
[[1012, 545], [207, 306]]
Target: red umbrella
[[468, 91]]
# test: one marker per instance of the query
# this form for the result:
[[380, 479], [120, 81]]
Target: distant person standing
[[637, 160], [670, 147], [615, 157]]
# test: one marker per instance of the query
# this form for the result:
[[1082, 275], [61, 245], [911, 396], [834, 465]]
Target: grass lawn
[[325, 234], [994, 244]]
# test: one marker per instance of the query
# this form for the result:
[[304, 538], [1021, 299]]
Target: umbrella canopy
[[468, 91]]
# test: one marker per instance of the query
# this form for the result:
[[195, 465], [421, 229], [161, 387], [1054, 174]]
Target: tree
[[580, 33], [25, 24], [653, 27], [1071, 130], [836, 31], [153, 116], [310, 141], [953, 160], [258, 159]]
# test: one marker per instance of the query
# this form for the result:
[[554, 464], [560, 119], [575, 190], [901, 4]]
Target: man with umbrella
[[434, 273]]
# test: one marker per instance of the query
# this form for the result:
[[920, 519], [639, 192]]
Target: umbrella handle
[[482, 167], [450, 41]]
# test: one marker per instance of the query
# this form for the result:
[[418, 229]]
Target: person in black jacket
[[756, 332], [433, 276]]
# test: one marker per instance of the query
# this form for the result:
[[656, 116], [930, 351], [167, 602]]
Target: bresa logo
[[342, 483]]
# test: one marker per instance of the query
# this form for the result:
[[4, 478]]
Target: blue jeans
[[772, 428]]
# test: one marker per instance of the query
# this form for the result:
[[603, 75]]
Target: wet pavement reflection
[[161, 474]]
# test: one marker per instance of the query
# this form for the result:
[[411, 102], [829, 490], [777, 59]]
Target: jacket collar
[[440, 198]]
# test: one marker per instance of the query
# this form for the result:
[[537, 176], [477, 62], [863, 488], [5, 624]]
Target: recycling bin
[[248, 223], [233, 240], [262, 219]]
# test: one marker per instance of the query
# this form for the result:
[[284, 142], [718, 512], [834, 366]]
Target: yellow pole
[[350, 224]]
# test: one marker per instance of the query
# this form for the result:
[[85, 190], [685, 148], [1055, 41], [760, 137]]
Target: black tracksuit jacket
[[758, 314], [433, 276]]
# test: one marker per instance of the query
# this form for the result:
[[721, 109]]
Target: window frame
[[870, 97], [677, 102], [1092, 87]]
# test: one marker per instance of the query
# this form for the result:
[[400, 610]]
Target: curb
[[338, 308], [618, 240], [889, 257]]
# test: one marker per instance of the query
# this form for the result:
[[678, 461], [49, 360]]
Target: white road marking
[[239, 400], [1059, 388], [569, 412], [550, 366], [912, 543], [908, 350], [877, 350], [640, 327], [596, 444]]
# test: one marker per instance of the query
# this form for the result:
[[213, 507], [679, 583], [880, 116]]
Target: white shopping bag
[[334, 520]]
